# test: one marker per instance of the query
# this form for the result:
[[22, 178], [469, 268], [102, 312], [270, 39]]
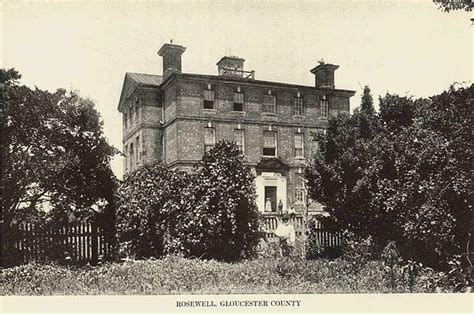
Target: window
[[209, 138], [239, 138], [238, 102], [137, 109], [299, 145], [324, 107], [125, 120], [132, 155], [269, 103], [208, 99], [269, 143], [126, 157], [298, 108], [299, 189], [137, 148]]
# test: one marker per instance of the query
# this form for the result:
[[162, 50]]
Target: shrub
[[210, 213], [357, 250], [147, 201], [177, 275], [224, 221], [401, 174]]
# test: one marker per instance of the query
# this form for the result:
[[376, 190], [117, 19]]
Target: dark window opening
[[238, 107], [269, 151], [238, 102], [269, 143], [208, 99], [208, 104]]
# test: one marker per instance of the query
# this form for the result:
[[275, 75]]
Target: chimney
[[231, 66], [324, 74], [171, 55]]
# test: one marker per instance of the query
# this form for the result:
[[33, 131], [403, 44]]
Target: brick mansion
[[175, 117]]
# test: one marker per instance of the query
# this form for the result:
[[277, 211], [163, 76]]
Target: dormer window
[[208, 98]]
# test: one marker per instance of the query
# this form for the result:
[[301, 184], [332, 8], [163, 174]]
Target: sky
[[402, 47]]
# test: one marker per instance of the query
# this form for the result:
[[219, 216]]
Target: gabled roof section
[[132, 81]]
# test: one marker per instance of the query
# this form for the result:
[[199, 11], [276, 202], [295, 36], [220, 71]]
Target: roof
[[147, 79], [132, 81], [272, 164], [230, 58], [270, 84], [321, 65]]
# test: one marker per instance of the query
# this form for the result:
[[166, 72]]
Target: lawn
[[175, 275]]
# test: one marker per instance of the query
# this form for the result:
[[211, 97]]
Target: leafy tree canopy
[[367, 102], [55, 156], [452, 5], [209, 213], [147, 199], [224, 222], [408, 180]]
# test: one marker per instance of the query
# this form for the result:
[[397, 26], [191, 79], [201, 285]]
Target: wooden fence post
[[94, 243]]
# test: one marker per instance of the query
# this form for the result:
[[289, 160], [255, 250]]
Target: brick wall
[[152, 144], [190, 140], [183, 100], [186, 120], [169, 103], [190, 102], [171, 143]]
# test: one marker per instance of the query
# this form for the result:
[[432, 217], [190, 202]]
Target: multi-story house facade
[[175, 117]]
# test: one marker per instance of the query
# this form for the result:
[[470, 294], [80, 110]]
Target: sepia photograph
[[241, 156]]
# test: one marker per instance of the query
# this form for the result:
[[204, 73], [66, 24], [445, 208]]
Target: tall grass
[[175, 275]]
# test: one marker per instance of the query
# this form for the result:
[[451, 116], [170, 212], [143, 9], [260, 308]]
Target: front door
[[270, 198]]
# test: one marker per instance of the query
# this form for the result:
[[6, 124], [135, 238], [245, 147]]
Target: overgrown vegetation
[[402, 174], [176, 275], [55, 156], [453, 5], [55, 159], [209, 213]]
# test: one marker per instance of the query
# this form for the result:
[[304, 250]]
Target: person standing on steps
[[268, 205], [286, 235], [280, 207]]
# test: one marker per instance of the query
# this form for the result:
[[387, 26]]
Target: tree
[[367, 102], [452, 5], [55, 156], [224, 223], [209, 213], [408, 182], [149, 201]]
